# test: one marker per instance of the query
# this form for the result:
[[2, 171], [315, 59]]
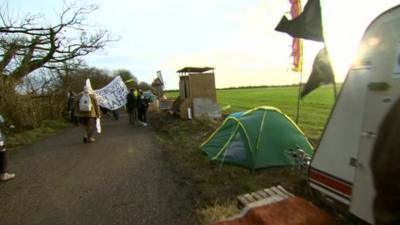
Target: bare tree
[[28, 44]]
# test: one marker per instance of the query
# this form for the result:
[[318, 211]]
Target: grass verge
[[214, 188], [18, 138]]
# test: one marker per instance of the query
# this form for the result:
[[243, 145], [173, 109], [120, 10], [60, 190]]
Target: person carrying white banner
[[87, 110]]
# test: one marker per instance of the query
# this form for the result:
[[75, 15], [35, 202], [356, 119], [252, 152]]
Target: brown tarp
[[291, 211]]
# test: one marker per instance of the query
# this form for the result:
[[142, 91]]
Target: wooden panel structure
[[276, 193], [202, 85], [198, 83]]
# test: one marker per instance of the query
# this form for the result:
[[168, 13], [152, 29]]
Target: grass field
[[314, 110]]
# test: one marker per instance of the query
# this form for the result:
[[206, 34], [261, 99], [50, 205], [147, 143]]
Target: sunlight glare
[[344, 24]]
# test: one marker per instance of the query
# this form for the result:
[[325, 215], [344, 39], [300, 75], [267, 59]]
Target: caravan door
[[381, 61]]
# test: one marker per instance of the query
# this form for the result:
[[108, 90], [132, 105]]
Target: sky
[[235, 37]]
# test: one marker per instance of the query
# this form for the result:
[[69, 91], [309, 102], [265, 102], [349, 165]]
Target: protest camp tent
[[258, 138]]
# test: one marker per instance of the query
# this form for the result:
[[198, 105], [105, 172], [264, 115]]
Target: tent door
[[236, 149], [383, 90]]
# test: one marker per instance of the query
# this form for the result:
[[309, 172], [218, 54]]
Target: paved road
[[120, 179]]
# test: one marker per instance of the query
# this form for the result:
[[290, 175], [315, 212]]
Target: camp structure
[[197, 93], [258, 138]]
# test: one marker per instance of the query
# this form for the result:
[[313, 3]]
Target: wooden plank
[[270, 192], [257, 196], [285, 191], [242, 201], [274, 195], [249, 198], [262, 193], [279, 192]]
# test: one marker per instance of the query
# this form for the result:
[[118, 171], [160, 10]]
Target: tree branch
[[27, 45]]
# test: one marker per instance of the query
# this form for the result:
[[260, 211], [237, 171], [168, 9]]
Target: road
[[122, 178]]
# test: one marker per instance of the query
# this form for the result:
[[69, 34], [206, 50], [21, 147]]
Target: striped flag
[[297, 43], [297, 54]]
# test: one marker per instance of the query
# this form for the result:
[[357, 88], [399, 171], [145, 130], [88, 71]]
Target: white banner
[[112, 96]]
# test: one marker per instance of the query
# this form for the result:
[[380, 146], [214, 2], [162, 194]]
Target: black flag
[[321, 73], [308, 25]]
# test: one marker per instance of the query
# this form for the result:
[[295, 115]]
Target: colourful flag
[[297, 54], [297, 43], [295, 8]]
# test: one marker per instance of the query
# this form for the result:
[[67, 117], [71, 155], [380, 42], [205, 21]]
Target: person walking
[[135, 109], [70, 108], [87, 110], [4, 174], [143, 104], [131, 106]]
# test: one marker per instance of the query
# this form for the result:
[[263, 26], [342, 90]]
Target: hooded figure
[[87, 109], [4, 174]]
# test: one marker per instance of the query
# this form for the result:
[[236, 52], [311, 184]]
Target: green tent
[[258, 138]]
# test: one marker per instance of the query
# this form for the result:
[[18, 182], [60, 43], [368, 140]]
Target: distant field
[[315, 107]]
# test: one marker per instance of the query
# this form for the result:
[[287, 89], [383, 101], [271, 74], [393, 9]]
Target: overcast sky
[[236, 37]]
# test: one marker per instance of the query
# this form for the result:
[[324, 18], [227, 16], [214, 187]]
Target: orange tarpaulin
[[291, 211]]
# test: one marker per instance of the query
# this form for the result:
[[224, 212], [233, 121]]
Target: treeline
[[40, 63], [245, 87], [271, 86], [259, 86], [249, 87]]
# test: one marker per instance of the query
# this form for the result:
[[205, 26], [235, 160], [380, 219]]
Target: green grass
[[314, 108], [215, 188], [17, 139]]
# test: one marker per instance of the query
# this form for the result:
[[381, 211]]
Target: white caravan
[[340, 168]]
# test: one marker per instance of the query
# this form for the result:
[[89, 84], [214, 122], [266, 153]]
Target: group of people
[[84, 109], [136, 106]]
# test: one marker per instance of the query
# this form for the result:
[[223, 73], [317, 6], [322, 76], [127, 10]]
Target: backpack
[[85, 103]]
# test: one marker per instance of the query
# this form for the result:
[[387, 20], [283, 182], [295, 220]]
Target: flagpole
[[299, 97], [299, 67], [297, 51]]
